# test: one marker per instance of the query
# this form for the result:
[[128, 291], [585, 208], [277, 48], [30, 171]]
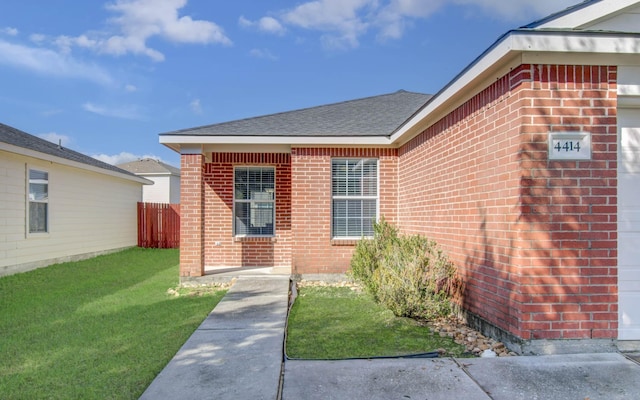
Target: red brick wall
[[191, 208], [221, 248], [535, 239], [313, 249]]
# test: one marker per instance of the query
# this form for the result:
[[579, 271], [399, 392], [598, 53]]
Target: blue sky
[[106, 77]]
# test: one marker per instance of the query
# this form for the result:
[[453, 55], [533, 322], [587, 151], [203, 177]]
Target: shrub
[[409, 275]]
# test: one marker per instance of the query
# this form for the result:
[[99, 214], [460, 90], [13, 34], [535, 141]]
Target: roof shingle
[[24, 140], [149, 166], [370, 116]]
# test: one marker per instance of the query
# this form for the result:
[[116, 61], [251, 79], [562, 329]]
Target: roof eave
[[70, 163], [504, 51], [176, 142]]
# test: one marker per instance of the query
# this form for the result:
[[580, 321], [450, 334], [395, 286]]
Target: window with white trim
[[38, 199], [254, 201], [354, 191]]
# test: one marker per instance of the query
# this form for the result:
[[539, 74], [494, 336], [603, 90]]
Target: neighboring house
[[165, 178], [58, 205], [525, 169]]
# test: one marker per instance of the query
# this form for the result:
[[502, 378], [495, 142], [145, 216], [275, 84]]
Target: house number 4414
[[567, 145], [570, 146]]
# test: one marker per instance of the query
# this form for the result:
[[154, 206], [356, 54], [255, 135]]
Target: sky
[[106, 77]]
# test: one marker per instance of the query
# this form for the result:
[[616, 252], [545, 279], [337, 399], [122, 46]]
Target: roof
[[149, 166], [371, 116], [18, 138]]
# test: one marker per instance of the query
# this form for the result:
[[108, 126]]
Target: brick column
[[191, 215]]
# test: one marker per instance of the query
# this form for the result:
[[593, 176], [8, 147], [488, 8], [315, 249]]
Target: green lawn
[[336, 322], [102, 328]]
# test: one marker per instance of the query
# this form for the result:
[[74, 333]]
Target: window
[[354, 190], [254, 201], [38, 201]]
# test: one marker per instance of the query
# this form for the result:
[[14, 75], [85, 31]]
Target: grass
[[101, 328], [337, 322]]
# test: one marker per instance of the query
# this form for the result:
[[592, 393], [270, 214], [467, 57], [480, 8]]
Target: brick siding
[[221, 248], [191, 209], [313, 249], [535, 239]]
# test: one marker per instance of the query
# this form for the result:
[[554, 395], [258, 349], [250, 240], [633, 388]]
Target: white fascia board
[[590, 14], [189, 141], [69, 163], [503, 52]]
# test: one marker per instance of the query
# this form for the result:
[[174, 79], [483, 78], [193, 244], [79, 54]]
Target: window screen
[[354, 187], [254, 201]]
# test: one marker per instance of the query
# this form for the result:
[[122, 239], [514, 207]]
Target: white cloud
[[393, 19], [37, 38], [9, 31], [123, 112], [195, 106], [51, 112], [263, 53], [264, 24], [51, 63], [343, 22], [123, 157], [519, 10], [57, 138], [140, 20], [130, 88]]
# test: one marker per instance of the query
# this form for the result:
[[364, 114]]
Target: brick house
[[525, 169]]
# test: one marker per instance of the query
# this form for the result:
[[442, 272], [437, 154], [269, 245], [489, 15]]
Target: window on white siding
[[254, 201], [38, 201], [354, 190]]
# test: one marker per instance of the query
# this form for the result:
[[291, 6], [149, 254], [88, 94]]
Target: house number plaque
[[569, 145]]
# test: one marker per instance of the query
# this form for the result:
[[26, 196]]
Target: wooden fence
[[159, 225]]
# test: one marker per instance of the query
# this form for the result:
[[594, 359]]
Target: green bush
[[409, 275]]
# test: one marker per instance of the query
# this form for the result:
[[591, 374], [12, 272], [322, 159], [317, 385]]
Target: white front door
[[629, 223]]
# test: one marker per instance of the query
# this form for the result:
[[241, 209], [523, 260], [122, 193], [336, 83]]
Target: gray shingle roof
[[371, 116], [22, 139], [149, 166]]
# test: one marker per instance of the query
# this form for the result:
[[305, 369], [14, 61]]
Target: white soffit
[[190, 142]]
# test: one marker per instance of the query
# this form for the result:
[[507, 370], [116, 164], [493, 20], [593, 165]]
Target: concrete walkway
[[237, 353]]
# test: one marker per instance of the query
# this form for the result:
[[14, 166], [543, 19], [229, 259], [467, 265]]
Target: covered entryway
[[629, 223]]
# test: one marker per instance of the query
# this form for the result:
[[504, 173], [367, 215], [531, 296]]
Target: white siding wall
[[158, 192], [629, 204], [89, 213], [165, 189], [175, 189]]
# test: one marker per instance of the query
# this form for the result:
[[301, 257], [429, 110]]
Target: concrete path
[[605, 376], [237, 353]]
